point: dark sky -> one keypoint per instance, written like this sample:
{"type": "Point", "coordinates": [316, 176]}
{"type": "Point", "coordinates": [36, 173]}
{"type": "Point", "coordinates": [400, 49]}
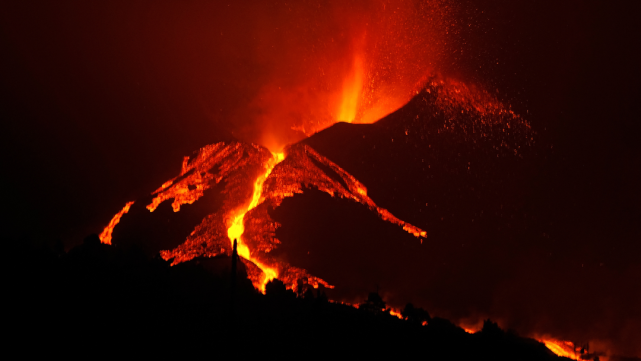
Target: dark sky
{"type": "Point", "coordinates": [100, 101]}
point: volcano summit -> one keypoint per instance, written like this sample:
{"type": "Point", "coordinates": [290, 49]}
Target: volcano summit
{"type": "Point", "coordinates": [236, 185]}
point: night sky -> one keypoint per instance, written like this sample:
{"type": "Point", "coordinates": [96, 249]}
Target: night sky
{"type": "Point", "coordinates": [100, 101]}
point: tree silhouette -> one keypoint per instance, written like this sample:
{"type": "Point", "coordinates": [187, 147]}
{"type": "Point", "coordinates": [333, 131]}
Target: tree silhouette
{"type": "Point", "coordinates": [374, 303]}
{"type": "Point", "coordinates": [276, 289]}
{"type": "Point", "coordinates": [415, 315]}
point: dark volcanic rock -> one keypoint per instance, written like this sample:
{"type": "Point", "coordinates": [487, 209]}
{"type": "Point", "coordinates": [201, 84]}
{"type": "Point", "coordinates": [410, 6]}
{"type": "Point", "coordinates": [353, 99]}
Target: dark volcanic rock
{"type": "Point", "coordinates": [164, 229]}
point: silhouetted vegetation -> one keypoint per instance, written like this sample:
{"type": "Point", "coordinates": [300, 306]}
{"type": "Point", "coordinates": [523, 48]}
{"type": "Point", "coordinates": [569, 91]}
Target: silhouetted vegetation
{"type": "Point", "coordinates": [121, 296]}
{"type": "Point", "coordinates": [415, 315]}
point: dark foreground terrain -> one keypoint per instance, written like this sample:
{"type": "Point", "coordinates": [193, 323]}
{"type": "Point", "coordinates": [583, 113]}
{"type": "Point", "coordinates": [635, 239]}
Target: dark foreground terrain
{"type": "Point", "coordinates": [114, 298]}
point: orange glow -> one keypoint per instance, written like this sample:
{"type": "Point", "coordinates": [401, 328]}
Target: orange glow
{"type": "Point", "coordinates": [179, 190]}
{"type": "Point", "coordinates": [342, 62]}
{"type": "Point", "coordinates": [396, 313]}
{"type": "Point", "coordinates": [470, 326]}
{"type": "Point", "coordinates": [105, 236]}
{"type": "Point", "coordinates": [561, 348]}
{"type": "Point", "coordinates": [299, 172]}
{"type": "Point", "coordinates": [558, 347]}
{"type": "Point", "coordinates": [256, 180]}
{"type": "Point", "coordinates": [352, 86]}
{"type": "Point", "coordinates": [243, 167]}
{"type": "Point", "coordinates": [571, 350]}
{"type": "Point", "coordinates": [237, 228]}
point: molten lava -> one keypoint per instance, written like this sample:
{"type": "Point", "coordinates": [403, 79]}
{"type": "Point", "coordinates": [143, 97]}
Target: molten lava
{"type": "Point", "coordinates": [255, 180]}
{"type": "Point", "coordinates": [105, 236]}
{"type": "Point", "coordinates": [561, 348]}
{"type": "Point", "coordinates": [237, 228]}
{"type": "Point", "coordinates": [572, 350]}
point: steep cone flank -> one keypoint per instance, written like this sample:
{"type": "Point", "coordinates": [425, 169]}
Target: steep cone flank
{"type": "Point", "coordinates": [504, 241]}
{"type": "Point", "coordinates": [255, 181]}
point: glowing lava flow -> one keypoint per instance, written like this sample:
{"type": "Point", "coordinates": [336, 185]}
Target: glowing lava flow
{"type": "Point", "coordinates": [241, 167]}
{"type": "Point", "coordinates": [560, 348]}
{"type": "Point", "coordinates": [237, 228]}
{"type": "Point", "coordinates": [571, 350]}
{"type": "Point", "coordinates": [238, 168]}
{"type": "Point", "coordinates": [105, 236]}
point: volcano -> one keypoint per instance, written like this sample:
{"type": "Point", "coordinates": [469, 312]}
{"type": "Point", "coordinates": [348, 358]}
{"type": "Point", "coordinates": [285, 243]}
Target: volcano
{"type": "Point", "coordinates": [231, 190]}
{"type": "Point", "coordinates": [408, 205]}
{"type": "Point", "coordinates": [239, 166]}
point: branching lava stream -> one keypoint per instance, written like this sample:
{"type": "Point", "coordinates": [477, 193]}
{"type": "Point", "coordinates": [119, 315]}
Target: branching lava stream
{"type": "Point", "coordinates": [237, 228]}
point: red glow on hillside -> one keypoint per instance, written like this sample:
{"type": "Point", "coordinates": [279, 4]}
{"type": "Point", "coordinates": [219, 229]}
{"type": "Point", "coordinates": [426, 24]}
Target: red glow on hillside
{"type": "Point", "coordinates": [561, 348]}
{"type": "Point", "coordinates": [105, 236]}
{"type": "Point", "coordinates": [255, 181]}
{"type": "Point", "coordinates": [237, 228]}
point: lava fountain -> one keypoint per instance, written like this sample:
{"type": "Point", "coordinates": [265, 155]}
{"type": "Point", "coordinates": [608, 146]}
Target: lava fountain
{"type": "Point", "coordinates": [352, 86]}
